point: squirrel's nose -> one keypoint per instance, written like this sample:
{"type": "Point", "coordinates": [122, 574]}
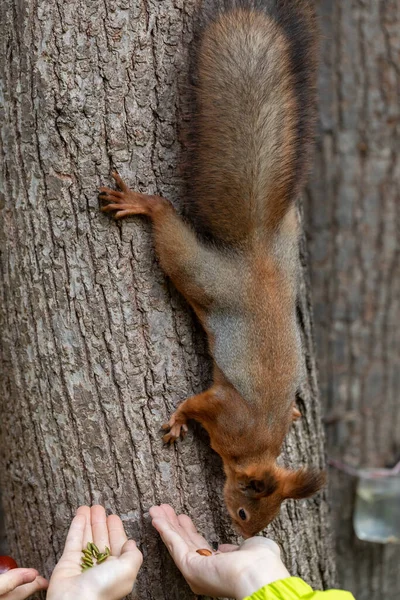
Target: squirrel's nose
{"type": "Point", "coordinates": [242, 532]}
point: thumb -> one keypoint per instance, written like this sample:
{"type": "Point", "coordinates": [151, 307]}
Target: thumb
{"type": "Point", "coordinates": [16, 577]}
{"type": "Point", "coordinates": [261, 542]}
{"type": "Point", "coordinates": [131, 556]}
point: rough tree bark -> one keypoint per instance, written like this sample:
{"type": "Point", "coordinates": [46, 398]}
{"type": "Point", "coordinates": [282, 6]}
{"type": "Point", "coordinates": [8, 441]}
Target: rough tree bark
{"type": "Point", "coordinates": [96, 347]}
{"type": "Point", "coordinates": [353, 217]}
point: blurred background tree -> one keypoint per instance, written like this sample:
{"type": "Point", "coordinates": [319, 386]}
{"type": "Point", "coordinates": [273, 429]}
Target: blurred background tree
{"type": "Point", "coordinates": [353, 227]}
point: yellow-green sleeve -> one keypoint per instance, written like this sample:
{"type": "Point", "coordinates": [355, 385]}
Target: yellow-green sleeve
{"type": "Point", "coordinates": [294, 588]}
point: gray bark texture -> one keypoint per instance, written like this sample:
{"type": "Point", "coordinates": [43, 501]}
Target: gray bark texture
{"type": "Point", "coordinates": [353, 225]}
{"type": "Point", "coordinates": [97, 348]}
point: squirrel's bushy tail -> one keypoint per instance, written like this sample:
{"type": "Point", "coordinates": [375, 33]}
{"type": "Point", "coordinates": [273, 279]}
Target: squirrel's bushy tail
{"type": "Point", "coordinates": [255, 71]}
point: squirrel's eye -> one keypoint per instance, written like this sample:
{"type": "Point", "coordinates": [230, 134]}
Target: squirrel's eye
{"type": "Point", "coordinates": [242, 514]}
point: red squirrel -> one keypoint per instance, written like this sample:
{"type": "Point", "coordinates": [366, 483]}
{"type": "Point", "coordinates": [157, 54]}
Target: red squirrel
{"type": "Point", "coordinates": [235, 256]}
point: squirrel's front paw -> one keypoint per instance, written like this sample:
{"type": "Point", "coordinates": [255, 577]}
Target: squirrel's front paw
{"type": "Point", "coordinates": [176, 428]}
{"type": "Point", "coordinates": [126, 202]}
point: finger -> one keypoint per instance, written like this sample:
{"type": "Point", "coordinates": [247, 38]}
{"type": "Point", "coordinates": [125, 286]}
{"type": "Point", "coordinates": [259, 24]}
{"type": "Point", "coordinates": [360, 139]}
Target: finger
{"type": "Point", "coordinates": [120, 182]}
{"type": "Point", "coordinates": [87, 534]}
{"type": "Point", "coordinates": [98, 520]}
{"type": "Point", "coordinates": [166, 512]}
{"type": "Point", "coordinates": [25, 591]}
{"type": "Point", "coordinates": [187, 523]}
{"type": "Point", "coordinates": [170, 514]}
{"type": "Point", "coordinates": [12, 579]}
{"type": "Point", "coordinates": [193, 537]}
{"type": "Point", "coordinates": [159, 511]}
{"type": "Point", "coordinates": [116, 534]}
{"type": "Point", "coordinates": [228, 548]}
{"type": "Point", "coordinates": [74, 541]}
{"type": "Point", "coordinates": [177, 546]}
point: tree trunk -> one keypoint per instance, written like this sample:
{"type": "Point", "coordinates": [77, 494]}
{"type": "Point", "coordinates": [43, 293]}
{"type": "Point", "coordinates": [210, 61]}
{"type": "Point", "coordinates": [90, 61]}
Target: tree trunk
{"type": "Point", "coordinates": [97, 349]}
{"type": "Point", "coordinates": [354, 227]}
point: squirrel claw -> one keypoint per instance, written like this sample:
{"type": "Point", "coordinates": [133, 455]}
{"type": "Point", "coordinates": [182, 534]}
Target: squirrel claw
{"type": "Point", "coordinates": [296, 414]}
{"type": "Point", "coordinates": [119, 181]}
{"type": "Point", "coordinates": [176, 430]}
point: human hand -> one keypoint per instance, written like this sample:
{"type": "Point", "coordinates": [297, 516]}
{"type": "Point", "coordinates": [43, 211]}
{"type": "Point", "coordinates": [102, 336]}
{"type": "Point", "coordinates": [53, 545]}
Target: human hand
{"type": "Point", "coordinates": [112, 579]}
{"type": "Point", "coordinates": [19, 584]}
{"type": "Point", "coordinates": [233, 571]}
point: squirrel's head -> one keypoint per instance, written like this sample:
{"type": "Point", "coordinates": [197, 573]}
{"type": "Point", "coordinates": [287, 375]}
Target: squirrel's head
{"type": "Point", "coordinates": [254, 495]}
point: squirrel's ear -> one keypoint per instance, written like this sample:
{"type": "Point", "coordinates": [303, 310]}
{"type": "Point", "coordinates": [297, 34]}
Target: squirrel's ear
{"type": "Point", "coordinates": [300, 484]}
{"type": "Point", "coordinates": [256, 488]}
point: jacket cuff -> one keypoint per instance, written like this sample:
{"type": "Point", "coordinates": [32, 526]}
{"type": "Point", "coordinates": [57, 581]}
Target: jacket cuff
{"type": "Point", "coordinates": [291, 588]}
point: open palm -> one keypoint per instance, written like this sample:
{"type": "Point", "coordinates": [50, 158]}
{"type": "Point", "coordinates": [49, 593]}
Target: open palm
{"type": "Point", "coordinates": [112, 579]}
{"type": "Point", "coordinates": [233, 571]}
